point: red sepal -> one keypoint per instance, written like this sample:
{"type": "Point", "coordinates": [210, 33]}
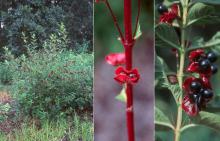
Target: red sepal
{"type": "Point", "coordinates": [194, 55]}
{"type": "Point", "coordinates": [193, 67]}
{"type": "Point", "coordinates": [115, 59]}
{"type": "Point", "coordinates": [126, 76]}
{"type": "Point", "coordinates": [189, 107]}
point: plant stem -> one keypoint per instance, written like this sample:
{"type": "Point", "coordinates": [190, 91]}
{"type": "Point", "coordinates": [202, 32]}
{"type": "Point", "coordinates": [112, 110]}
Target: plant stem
{"type": "Point", "coordinates": [114, 19]}
{"type": "Point", "coordinates": [181, 71]}
{"type": "Point", "coordinates": [128, 45]}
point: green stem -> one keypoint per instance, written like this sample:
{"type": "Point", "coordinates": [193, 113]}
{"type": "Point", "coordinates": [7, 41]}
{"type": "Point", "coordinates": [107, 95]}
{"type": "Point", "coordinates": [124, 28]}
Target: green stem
{"type": "Point", "coordinates": [180, 73]}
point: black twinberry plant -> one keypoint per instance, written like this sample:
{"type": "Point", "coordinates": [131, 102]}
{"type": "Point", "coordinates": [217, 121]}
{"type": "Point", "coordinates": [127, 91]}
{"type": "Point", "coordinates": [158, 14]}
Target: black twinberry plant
{"type": "Point", "coordinates": [195, 64]}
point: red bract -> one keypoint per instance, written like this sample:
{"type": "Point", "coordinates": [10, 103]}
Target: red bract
{"type": "Point", "coordinates": [194, 55]}
{"type": "Point", "coordinates": [205, 81]}
{"type": "Point", "coordinates": [189, 107]}
{"type": "Point", "coordinates": [126, 76]}
{"type": "Point", "coordinates": [115, 59]}
{"type": "Point", "coordinates": [169, 16]}
{"type": "Point", "coordinates": [194, 68]}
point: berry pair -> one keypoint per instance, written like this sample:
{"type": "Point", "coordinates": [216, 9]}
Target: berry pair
{"type": "Point", "coordinates": [202, 63]}
{"type": "Point", "coordinates": [200, 95]}
{"type": "Point", "coordinates": [168, 15]}
{"type": "Point", "coordinates": [207, 62]}
{"type": "Point", "coordinates": [198, 91]}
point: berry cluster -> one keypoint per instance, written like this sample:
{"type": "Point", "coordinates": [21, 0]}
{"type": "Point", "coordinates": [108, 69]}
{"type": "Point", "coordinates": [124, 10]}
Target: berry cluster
{"type": "Point", "coordinates": [167, 15]}
{"type": "Point", "coordinates": [198, 90]}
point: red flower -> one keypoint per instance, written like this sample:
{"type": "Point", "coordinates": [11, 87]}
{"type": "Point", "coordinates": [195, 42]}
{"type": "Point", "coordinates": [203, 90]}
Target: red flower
{"type": "Point", "coordinates": [189, 107]}
{"type": "Point", "coordinates": [196, 54]}
{"type": "Point", "coordinates": [126, 76]}
{"type": "Point", "coordinates": [115, 59]}
{"type": "Point", "coordinates": [169, 16]}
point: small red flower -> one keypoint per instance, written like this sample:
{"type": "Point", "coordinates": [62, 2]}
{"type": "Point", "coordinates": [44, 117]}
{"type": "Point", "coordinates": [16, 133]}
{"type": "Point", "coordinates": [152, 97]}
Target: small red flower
{"type": "Point", "coordinates": [115, 59]}
{"type": "Point", "coordinates": [196, 54]}
{"type": "Point", "coordinates": [169, 16]}
{"type": "Point", "coordinates": [126, 76]}
{"type": "Point", "coordinates": [189, 107]}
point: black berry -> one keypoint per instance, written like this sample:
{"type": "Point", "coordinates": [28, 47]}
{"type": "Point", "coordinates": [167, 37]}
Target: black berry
{"type": "Point", "coordinates": [214, 68]}
{"type": "Point", "coordinates": [204, 64]}
{"type": "Point", "coordinates": [211, 56]}
{"type": "Point", "coordinates": [195, 86]}
{"type": "Point", "coordinates": [193, 97]}
{"type": "Point", "coordinates": [162, 9]}
{"type": "Point", "coordinates": [207, 94]}
{"type": "Point", "coordinates": [198, 101]}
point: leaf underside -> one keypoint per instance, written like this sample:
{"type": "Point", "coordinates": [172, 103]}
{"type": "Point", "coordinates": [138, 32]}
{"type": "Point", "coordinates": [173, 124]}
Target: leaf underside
{"type": "Point", "coordinates": [162, 122]}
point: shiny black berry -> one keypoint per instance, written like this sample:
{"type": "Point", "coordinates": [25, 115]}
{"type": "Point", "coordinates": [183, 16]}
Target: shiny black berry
{"type": "Point", "coordinates": [162, 9]}
{"type": "Point", "coordinates": [211, 56]}
{"type": "Point", "coordinates": [207, 94]}
{"type": "Point", "coordinates": [193, 97]}
{"type": "Point", "coordinates": [198, 101]}
{"type": "Point", "coordinates": [214, 68]}
{"type": "Point", "coordinates": [204, 64]}
{"type": "Point", "coordinates": [195, 86]}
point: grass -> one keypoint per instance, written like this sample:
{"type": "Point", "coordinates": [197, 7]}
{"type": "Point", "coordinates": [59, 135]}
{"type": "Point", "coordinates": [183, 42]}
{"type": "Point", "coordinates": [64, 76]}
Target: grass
{"type": "Point", "coordinates": [76, 130]}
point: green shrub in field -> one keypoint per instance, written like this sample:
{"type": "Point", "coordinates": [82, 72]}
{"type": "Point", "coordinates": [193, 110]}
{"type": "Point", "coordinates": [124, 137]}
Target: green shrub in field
{"type": "Point", "coordinates": [51, 82]}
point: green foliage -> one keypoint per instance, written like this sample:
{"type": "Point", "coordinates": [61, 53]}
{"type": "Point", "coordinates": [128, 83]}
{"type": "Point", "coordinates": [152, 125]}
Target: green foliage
{"type": "Point", "coordinates": [162, 122]}
{"type": "Point", "coordinates": [53, 131]}
{"type": "Point", "coordinates": [201, 14]}
{"type": "Point", "coordinates": [42, 18]}
{"type": "Point", "coordinates": [166, 36]}
{"type": "Point", "coordinates": [161, 72]}
{"type": "Point", "coordinates": [122, 95]}
{"type": "Point", "coordinates": [208, 1]}
{"type": "Point", "coordinates": [213, 43]}
{"type": "Point", "coordinates": [30, 18]}
{"type": "Point", "coordinates": [51, 82]}
{"type": "Point", "coordinates": [208, 119]}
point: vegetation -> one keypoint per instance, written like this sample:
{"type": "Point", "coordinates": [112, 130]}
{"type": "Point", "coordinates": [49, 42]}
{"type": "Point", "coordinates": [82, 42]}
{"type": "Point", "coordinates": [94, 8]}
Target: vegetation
{"type": "Point", "coordinates": [46, 70]}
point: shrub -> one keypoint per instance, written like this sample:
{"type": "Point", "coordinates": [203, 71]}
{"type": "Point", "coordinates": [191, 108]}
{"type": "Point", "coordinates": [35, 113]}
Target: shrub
{"type": "Point", "coordinates": [51, 82]}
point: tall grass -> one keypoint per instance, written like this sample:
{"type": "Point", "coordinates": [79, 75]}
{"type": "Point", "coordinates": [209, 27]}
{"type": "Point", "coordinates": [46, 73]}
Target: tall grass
{"type": "Point", "coordinates": [76, 130]}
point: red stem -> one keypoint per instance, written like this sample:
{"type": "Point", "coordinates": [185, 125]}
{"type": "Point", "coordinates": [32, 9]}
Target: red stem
{"type": "Point", "coordinates": [128, 44]}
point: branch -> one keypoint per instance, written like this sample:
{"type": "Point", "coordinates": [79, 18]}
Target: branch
{"type": "Point", "coordinates": [137, 18]}
{"type": "Point", "coordinates": [114, 19]}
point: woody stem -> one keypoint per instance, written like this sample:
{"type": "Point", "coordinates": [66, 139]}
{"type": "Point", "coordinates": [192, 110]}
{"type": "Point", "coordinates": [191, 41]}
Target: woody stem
{"type": "Point", "coordinates": [181, 70]}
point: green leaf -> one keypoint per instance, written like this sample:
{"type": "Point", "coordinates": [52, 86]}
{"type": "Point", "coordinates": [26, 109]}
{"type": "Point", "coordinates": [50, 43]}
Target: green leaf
{"type": "Point", "coordinates": [208, 1]}
{"type": "Point", "coordinates": [162, 122]}
{"type": "Point", "coordinates": [139, 32]}
{"type": "Point", "coordinates": [209, 120]}
{"type": "Point", "coordinates": [161, 70]}
{"type": "Point", "coordinates": [122, 96]}
{"type": "Point", "coordinates": [213, 43]}
{"type": "Point", "coordinates": [166, 36]}
{"type": "Point", "coordinates": [201, 14]}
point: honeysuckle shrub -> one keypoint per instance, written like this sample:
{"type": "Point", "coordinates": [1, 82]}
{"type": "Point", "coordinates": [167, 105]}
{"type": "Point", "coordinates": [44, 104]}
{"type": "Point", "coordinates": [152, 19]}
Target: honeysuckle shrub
{"type": "Point", "coordinates": [50, 83]}
{"type": "Point", "coordinates": [187, 95]}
